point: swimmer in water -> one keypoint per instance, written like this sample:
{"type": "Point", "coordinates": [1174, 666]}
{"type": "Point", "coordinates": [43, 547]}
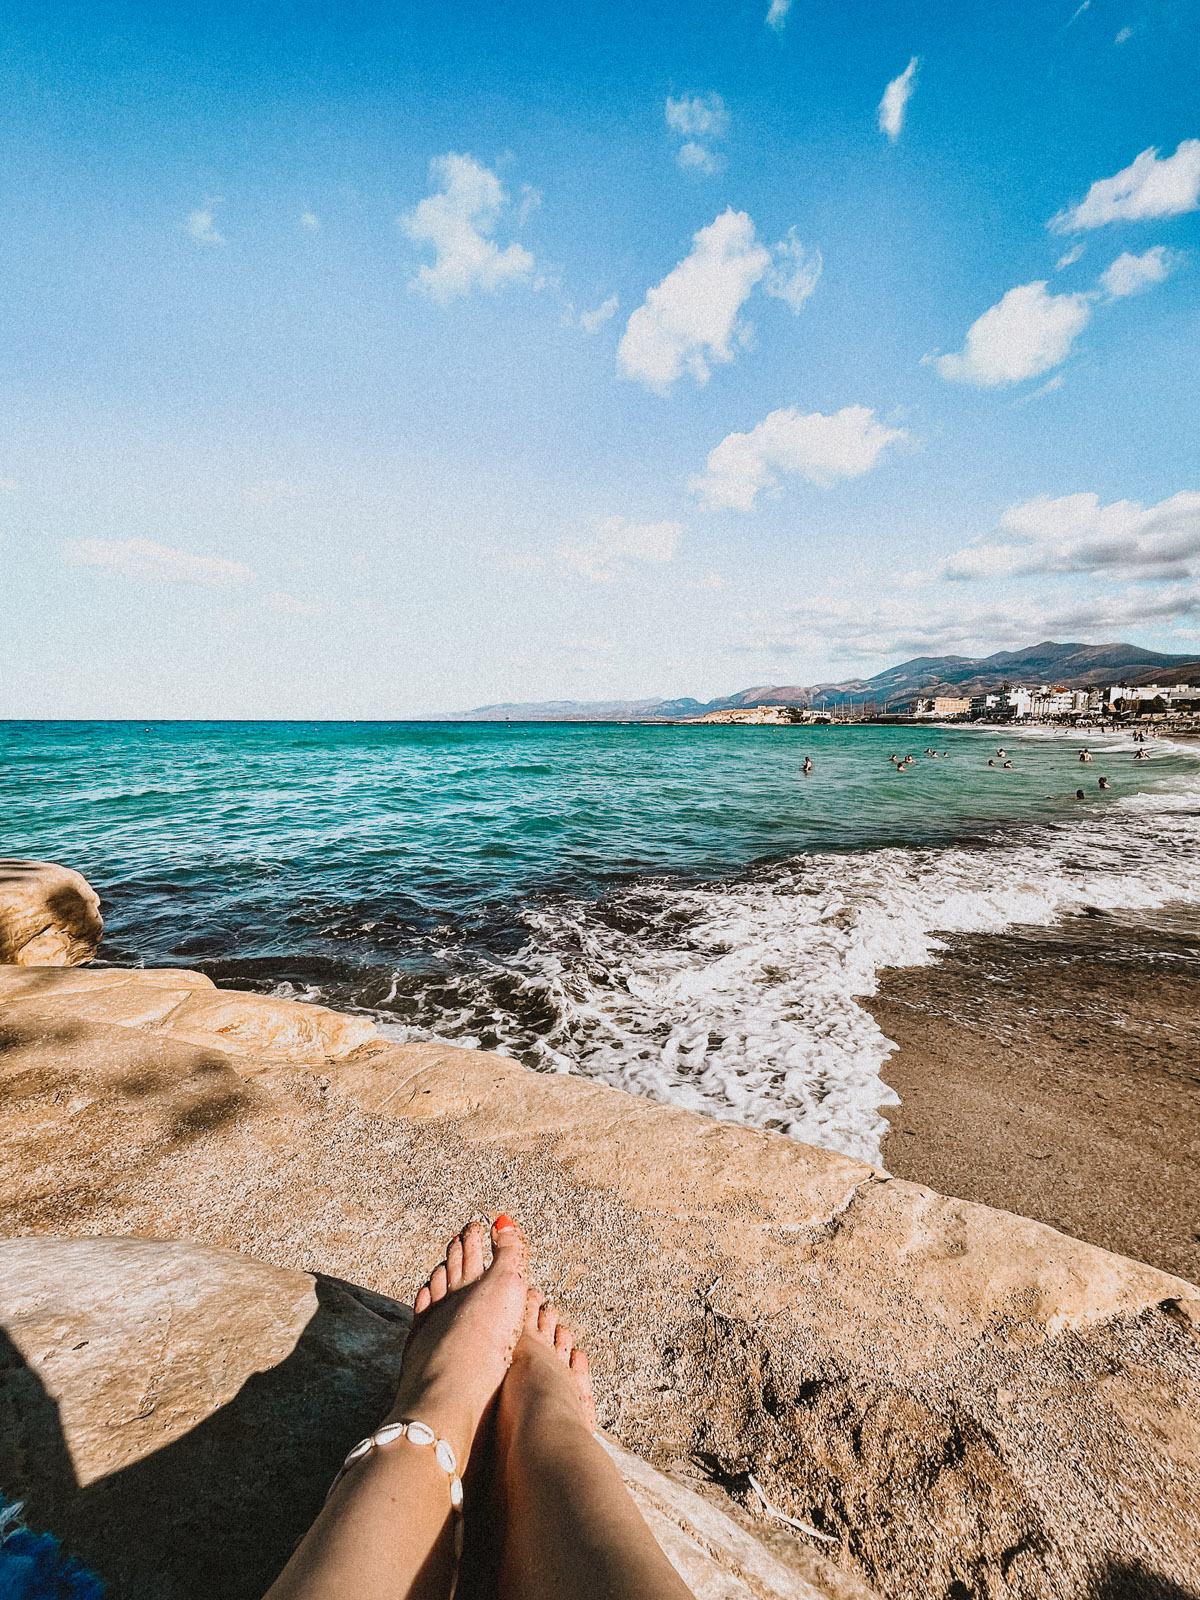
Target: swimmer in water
{"type": "Point", "coordinates": [1141, 755]}
{"type": "Point", "coordinates": [1104, 783]}
{"type": "Point", "coordinates": [991, 761]}
{"type": "Point", "coordinates": [1002, 754]}
{"type": "Point", "coordinates": [1008, 766]}
{"type": "Point", "coordinates": [1085, 755]}
{"type": "Point", "coordinates": [807, 767]}
{"type": "Point", "coordinates": [1079, 794]}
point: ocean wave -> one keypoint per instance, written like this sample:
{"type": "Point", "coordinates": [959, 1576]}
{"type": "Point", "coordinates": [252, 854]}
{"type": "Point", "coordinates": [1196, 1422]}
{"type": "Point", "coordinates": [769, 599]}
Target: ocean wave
{"type": "Point", "coordinates": [740, 998]}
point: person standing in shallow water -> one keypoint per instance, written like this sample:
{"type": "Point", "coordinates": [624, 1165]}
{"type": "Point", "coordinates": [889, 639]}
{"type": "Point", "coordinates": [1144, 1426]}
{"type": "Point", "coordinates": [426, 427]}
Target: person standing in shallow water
{"type": "Point", "coordinates": [506, 1399]}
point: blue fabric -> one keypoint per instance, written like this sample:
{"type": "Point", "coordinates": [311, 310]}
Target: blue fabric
{"type": "Point", "coordinates": [33, 1566]}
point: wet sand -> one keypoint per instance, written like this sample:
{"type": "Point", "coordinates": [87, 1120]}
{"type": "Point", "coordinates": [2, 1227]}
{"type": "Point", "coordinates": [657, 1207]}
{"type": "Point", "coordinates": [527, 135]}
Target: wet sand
{"type": "Point", "coordinates": [1056, 1073]}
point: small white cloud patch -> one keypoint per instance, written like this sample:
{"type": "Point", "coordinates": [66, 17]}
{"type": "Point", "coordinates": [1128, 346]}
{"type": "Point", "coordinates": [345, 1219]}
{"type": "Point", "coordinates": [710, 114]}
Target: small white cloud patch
{"type": "Point", "coordinates": [1071, 257]}
{"type": "Point", "coordinates": [617, 544]}
{"type": "Point", "coordinates": [143, 558]}
{"type": "Point", "coordinates": [702, 121]}
{"type": "Point", "coordinates": [1026, 333]}
{"type": "Point", "coordinates": [458, 220]}
{"type": "Point", "coordinates": [1149, 187]}
{"type": "Point", "coordinates": [201, 224]}
{"type": "Point", "coordinates": [1075, 533]}
{"type": "Point", "coordinates": [895, 101]}
{"type": "Point", "coordinates": [777, 14]}
{"type": "Point", "coordinates": [311, 221]}
{"type": "Point", "coordinates": [690, 319]}
{"type": "Point", "coordinates": [818, 448]}
{"type": "Point", "coordinates": [1130, 274]}
{"type": "Point", "coordinates": [796, 272]}
{"type": "Point", "coordinates": [590, 321]}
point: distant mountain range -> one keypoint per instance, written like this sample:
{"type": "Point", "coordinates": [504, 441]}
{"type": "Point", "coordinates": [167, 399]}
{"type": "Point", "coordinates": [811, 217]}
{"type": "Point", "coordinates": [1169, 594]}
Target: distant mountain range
{"type": "Point", "coordinates": [1076, 666]}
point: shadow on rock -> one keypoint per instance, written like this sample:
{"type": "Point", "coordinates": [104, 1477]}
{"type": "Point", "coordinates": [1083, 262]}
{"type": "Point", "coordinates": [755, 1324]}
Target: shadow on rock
{"type": "Point", "coordinates": [219, 1509]}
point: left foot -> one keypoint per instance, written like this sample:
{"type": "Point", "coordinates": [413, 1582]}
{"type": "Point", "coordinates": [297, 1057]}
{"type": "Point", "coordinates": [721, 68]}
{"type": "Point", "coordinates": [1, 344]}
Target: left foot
{"type": "Point", "coordinates": [467, 1321]}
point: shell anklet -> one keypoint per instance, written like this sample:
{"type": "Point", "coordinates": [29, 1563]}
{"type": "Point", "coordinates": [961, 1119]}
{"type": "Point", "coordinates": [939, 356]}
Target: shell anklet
{"type": "Point", "coordinates": [418, 1433]}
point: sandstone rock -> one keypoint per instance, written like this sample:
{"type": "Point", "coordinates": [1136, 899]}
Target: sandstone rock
{"type": "Point", "coordinates": [49, 915]}
{"type": "Point", "coordinates": [175, 1414]}
{"type": "Point", "coordinates": [188, 1006]}
{"type": "Point", "coordinates": [966, 1402]}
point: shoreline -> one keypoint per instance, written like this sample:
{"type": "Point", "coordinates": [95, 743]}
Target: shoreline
{"type": "Point", "coordinates": [1055, 1072]}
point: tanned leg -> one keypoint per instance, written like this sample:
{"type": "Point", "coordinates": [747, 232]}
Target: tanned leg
{"type": "Point", "coordinates": [386, 1532]}
{"type": "Point", "coordinates": [571, 1529]}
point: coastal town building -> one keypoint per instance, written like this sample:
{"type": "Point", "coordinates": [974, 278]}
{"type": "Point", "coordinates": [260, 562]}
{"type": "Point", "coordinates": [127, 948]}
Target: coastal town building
{"type": "Point", "coordinates": [942, 706]}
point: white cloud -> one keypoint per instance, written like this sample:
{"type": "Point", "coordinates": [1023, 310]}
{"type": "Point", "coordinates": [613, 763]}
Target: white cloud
{"type": "Point", "coordinates": [796, 272]}
{"type": "Point", "coordinates": [777, 14]}
{"type": "Point", "coordinates": [142, 558]}
{"type": "Point", "coordinates": [1075, 533]}
{"type": "Point", "coordinates": [1027, 332]}
{"type": "Point", "coordinates": [590, 321]}
{"type": "Point", "coordinates": [1149, 187]}
{"type": "Point", "coordinates": [1131, 274]}
{"type": "Point", "coordinates": [287, 605]}
{"type": "Point", "coordinates": [846, 626]}
{"type": "Point", "coordinates": [617, 544]}
{"type": "Point", "coordinates": [895, 101]}
{"type": "Point", "coordinates": [693, 157]}
{"type": "Point", "coordinates": [702, 120]}
{"type": "Point", "coordinates": [1071, 257]}
{"type": "Point", "coordinates": [459, 221]}
{"type": "Point", "coordinates": [818, 448]}
{"type": "Point", "coordinates": [201, 224]}
{"type": "Point", "coordinates": [697, 116]}
{"type": "Point", "coordinates": [691, 317]}
{"type": "Point", "coordinates": [1125, 33]}
{"type": "Point", "coordinates": [309, 220]}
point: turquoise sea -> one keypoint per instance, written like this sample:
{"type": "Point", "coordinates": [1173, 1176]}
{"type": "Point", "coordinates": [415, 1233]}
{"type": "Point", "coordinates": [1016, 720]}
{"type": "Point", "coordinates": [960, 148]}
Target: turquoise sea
{"type": "Point", "coordinates": [676, 910]}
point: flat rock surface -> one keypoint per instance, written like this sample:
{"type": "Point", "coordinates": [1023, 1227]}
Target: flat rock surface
{"type": "Point", "coordinates": [153, 1392]}
{"type": "Point", "coordinates": [49, 915]}
{"type": "Point", "coordinates": [965, 1402]}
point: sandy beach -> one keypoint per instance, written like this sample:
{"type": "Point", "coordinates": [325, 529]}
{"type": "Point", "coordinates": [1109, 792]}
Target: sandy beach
{"type": "Point", "coordinates": [1055, 1072]}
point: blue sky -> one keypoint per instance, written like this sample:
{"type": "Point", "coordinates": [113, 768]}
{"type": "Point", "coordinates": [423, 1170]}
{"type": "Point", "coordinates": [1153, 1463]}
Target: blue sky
{"type": "Point", "coordinates": [381, 360]}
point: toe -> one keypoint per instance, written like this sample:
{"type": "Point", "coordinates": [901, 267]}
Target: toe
{"type": "Point", "coordinates": [547, 1322]}
{"type": "Point", "coordinates": [454, 1263]}
{"type": "Point", "coordinates": [562, 1344]}
{"type": "Point", "coordinates": [582, 1374]}
{"type": "Point", "coordinates": [472, 1245]}
{"type": "Point", "coordinates": [438, 1284]}
{"type": "Point", "coordinates": [423, 1301]}
{"type": "Point", "coordinates": [533, 1306]}
{"type": "Point", "coordinates": [508, 1245]}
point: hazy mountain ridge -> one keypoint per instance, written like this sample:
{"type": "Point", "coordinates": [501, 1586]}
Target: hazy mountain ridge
{"type": "Point", "coordinates": [1076, 666]}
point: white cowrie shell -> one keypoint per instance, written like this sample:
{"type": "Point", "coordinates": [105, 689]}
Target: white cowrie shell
{"type": "Point", "coordinates": [359, 1451]}
{"type": "Point", "coordinates": [390, 1431]}
{"type": "Point", "coordinates": [456, 1494]}
{"type": "Point", "coordinates": [446, 1458]}
{"type": "Point", "coordinates": [421, 1433]}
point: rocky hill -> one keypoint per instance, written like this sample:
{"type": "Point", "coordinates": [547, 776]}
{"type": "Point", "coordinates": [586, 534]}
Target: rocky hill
{"type": "Point", "coordinates": [1076, 666]}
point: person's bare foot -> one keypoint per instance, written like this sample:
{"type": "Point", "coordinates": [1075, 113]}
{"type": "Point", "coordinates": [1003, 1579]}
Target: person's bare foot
{"type": "Point", "coordinates": [467, 1324]}
{"type": "Point", "coordinates": [549, 1383]}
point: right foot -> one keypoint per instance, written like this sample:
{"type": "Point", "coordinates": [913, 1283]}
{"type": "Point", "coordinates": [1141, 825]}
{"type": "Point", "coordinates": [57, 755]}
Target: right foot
{"type": "Point", "coordinates": [468, 1319]}
{"type": "Point", "coordinates": [549, 1377]}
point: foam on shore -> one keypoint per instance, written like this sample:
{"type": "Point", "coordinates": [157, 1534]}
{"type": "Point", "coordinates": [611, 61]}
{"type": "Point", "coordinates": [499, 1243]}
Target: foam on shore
{"type": "Point", "coordinates": [739, 998]}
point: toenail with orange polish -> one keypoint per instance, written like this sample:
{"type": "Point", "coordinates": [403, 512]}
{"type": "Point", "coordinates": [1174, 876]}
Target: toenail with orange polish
{"type": "Point", "coordinates": [502, 1223]}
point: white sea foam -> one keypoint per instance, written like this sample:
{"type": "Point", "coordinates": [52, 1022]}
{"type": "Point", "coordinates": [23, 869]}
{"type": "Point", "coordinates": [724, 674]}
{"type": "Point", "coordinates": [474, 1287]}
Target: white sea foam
{"type": "Point", "coordinates": [739, 999]}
